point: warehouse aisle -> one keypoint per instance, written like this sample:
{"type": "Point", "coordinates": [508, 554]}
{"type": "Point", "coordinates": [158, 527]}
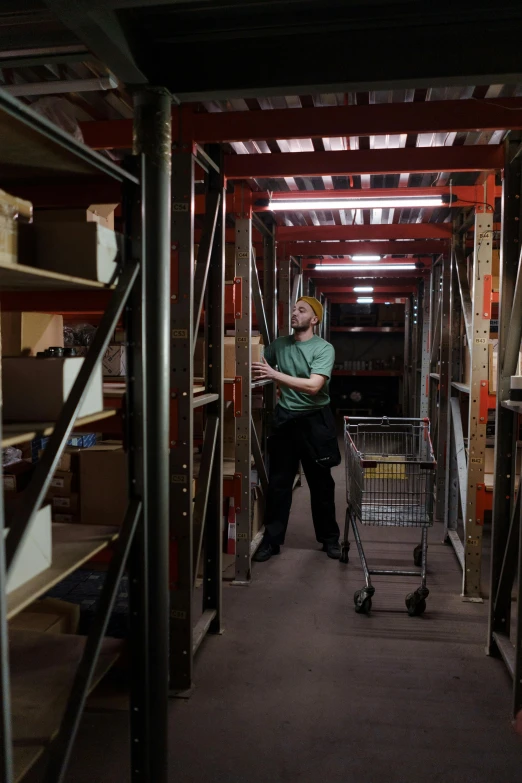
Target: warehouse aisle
{"type": "Point", "coordinates": [300, 688]}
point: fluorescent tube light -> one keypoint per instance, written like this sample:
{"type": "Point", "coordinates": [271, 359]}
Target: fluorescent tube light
{"type": "Point", "coordinates": [365, 300]}
{"type": "Point", "coordinates": [365, 258]}
{"type": "Point", "coordinates": [363, 267]}
{"type": "Point", "coordinates": [298, 205]}
{"type": "Point", "coordinates": [363, 289]}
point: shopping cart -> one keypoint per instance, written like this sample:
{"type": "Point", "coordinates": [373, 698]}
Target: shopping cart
{"type": "Point", "coordinates": [390, 472]}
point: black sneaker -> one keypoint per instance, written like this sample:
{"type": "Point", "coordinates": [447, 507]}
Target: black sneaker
{"type": "Point", "coordinates": [265, 551]}
{"type": "Point", "coordinates": [332, 549]}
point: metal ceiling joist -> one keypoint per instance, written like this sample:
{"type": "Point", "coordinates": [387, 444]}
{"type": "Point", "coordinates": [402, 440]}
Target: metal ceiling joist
{"type": "Point", "coordinates": [314, 249]}
{"type": "Point", "coordinates": [98, 27]}
{"type": "Point", "coordinates": [330, 121]}
{"type": "Point", "coordinates": [419, 160]}
{"type": "Point", "coordinates": [368, 232]}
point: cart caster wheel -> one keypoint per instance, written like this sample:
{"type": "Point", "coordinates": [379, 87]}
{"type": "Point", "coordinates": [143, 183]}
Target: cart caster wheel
{"type": "Point", "coordinates": [416, 602]}
{"type": "Point", "coordinates": [345, 548]}
{"type": "Point", "coordinates": [363, 601]}
{"type": "Point", "coordinates": [417, 556]}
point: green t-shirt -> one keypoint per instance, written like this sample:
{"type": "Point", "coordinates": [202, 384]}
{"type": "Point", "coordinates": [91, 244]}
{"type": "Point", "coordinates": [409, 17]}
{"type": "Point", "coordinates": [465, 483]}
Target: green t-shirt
{"type": "Point", "coordinates": [301, 360]}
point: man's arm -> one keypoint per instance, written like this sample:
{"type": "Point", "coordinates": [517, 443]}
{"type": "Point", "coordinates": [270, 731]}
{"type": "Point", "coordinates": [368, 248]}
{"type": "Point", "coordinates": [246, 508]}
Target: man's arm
{"type": "Point", "coordinates": [312, 385]}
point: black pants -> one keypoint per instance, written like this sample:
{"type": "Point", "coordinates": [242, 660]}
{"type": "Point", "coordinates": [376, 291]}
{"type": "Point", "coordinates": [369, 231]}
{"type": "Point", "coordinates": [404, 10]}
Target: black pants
{"type": "Point", "coordinates": [311, 440]}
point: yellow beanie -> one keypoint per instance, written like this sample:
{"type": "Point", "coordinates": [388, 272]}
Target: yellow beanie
{"type": "Point", "coordinates": [315, 304]}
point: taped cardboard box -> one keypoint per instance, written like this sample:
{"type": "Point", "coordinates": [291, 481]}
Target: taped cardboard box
{"type": "Point", "coordinates": [257, 347]}
{"type": "Point", "coordinates": [86, 250]}
{"type": "Point", "coordinates": [63, 483]}
{"type": "Point", "coordinates": [103, 481]}
{"type": "Point", "coordinates": [96, 213]}
{"type": "Point", "coordinates": [29, 333]}
{"type": "Point", "coordinates": [115, 361]}
{"type": "Point", "coordinates": [69, 461]}
{"type": "Point", "coordinates": [34, 390]}
{"type": "Point", "coordinates": [66, 504]}
{"type": "Point", "coordinates": [49, 615]}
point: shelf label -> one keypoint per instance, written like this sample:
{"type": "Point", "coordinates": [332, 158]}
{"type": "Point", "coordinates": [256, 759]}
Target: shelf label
{"type": "Point", "coordinates": [179, 333]}
{"type": "Point", "coordinates": [178, 478]}
{"type": "Point", "coordinates": [180, 206]}
{"type": "Point", "coordinates": [476, 461]}
{"type": "Point", "coordinates": [242, 255]}
{"type": "Point", "coordinates": [480, 340]}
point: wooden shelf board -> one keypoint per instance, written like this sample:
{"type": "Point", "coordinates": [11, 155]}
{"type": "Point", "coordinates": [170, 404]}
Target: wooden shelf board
{"type": "Point", "coordinates": [73, 545]}
{"type": "Point", "coordinates": [43, 666]}
{"type": "Point", "coordinates": [23, 433]}
{"type": "Point", "coordinates": [18, 277]}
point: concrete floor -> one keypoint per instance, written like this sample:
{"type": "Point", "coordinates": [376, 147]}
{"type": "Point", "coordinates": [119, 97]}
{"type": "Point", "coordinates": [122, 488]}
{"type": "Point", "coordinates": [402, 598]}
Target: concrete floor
{"type": "Point", "coordinates": [300, 689]}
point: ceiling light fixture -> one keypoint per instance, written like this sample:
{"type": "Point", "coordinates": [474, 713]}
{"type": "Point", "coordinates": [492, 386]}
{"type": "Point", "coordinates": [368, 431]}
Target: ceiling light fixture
{"type": "Point", "coordinates": [365, 257]}
{"type": "Point", "coordinates": [298, 205]}
{"type": "Point", "coordinates": [363, 267]}
{"type": "Point", "coordinates": [363, 289]}
{"type": "Point", "coordinates": [365, 300]}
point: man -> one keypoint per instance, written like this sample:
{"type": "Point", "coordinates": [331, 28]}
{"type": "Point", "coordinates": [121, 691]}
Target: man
{"type": "Point", "coordinates": [303, 430]}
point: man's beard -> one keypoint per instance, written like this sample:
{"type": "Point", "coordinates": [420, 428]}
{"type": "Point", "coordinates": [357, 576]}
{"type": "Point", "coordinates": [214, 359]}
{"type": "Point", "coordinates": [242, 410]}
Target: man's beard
{"type": "Point", "coordinates": [302, 327]}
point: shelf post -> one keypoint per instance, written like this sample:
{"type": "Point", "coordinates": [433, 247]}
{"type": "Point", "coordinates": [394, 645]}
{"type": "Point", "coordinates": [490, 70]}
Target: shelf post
{"type": "Point", "coordinates": [507, 423]}
{"type": "Point", "coordinates": [243, 446]}
{"type": "Point", "coordinates": [152, 125]}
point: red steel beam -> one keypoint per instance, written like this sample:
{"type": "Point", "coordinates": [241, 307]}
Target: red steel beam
{"type": "Point", "coordinates": [415, 160]}
{"type": "Point", "coordinates": [369, 232]}
{"type": "Point", "coordinates": [314, 249]}
{"type": "Point", "coordinates": [370, 120]}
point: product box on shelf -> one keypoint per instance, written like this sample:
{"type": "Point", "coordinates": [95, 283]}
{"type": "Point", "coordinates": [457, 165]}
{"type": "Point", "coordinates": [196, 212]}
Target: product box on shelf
{"type": "Point", "coordinates": [115, 361]}
{"type": "Point", "coordinates": [35, 389]}
{"type": "Point", "coordinates": [12, 209]}
{"type": "Point", "coordinates": [103, 482]}
{"type": "Point", "coordinates": [257, 347]}
{"type": "Point", "coordinates": [66, 504]}
{"type": "Point", "coordinates": [96, 213]}
{"type": "Point", "coordinates": [34, 555]}
{"type": "Point", "coordinates": [68, 460]}
{"type": "Point", "coordinates": [87, 250]}
{"type": "Point", "coordinates": [29, 333]}
{"type": "Point", "coordinates": [62, 483]}
{"type": "Point", "coordinates": [48, 615]}
{"type": "Point", "coordinates": [17, 476]}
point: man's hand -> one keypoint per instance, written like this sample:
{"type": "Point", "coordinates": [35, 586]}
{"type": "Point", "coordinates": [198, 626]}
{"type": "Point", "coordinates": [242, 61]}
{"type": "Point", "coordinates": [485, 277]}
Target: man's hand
{"type": "Point", "coordinates": [262, 371]}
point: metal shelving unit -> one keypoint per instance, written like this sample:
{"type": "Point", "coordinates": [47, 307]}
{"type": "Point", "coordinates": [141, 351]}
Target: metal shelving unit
{"type": "Point", "coordinates": [505, 616]}
{"type": "Point", "coordinates": [32, 149]}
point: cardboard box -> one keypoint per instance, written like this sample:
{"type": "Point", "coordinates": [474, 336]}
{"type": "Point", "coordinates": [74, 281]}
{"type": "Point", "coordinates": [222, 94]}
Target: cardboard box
{"type": "Point", "coordinates": [35, 554]}
{"type": "Point", "coordinates": [68, 462]}
{"type": "Point", "coordinates": [115, 360]}
{"type": "Point", "coordinates": [28, 333]}
{"type": "Point", "coordinates": [35, 390]}
{"type": "Point", "coordinates": [104, 482]}
{"type": "Point", "coordinates": [11, 209]}
{"type": "Point", "coordinates": [230, 353]}
{"type": "Point", "coordinates": [66, 504]}
{"type": "Point", "coordinates": [86, 250]}
{"type": "Point", "coordinates": [49, 615]}
{"type": "Point", "coordinates": [62, 483]}
{"type": "Point", "coordinates": [68, 519]}
{"type": "Point", "coordinates": [492, 365]}
{"type": "Point", "coordinates": [230, 260]}
{"type": "Point", "coordinates": [103, 214]}
{"type": "Point", "coordinates": [17, 476]}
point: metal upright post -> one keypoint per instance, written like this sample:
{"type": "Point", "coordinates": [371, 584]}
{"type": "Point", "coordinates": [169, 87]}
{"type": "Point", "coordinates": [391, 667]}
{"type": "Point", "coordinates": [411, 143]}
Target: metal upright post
{"type": "Point", "coordinates": [6, 739]}
{"type": "Point", "coordinates": [424, 310]}
{"type": "Point", "coordinates": [444, 320]}
{"type": "Point", "coordinates": [284, 270]}
{"type": "Point", "coordinates": [473, 514]}
{"type": "Point", "coordinates": [408, 323]}
{"type": "Point", "coordinates": [213, 544]}
{"type": "Point", "coordinates": [181, 419]}
{"type": "Point", "coordinates": [270, 298]}
{"type": "Point", "coordinates": [153, 139]}
{"type": "Point", "coordinates": [244, 371]}
{"type": "Point", "coordinates": [506, 523]}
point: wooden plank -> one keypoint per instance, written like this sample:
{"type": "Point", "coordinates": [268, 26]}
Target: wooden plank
{"type": "Point", "coordinates": [18, 277]}
{"type": "Point", "coordinates": [73, 545]}
{"type": "Point", "coordinates": [43, 667]}
{"type": "Point", "coordinates": [23, 433]}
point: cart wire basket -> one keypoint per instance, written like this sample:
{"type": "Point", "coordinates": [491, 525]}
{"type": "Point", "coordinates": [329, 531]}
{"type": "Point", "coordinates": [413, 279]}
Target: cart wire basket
{"type": "Point", "coordinates": [390, 474]}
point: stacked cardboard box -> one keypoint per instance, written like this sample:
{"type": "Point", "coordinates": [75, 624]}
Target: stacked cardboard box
{"type": "Point", "coordinates": [103, 483]}
{"type": "Point", "coordinates": [29, 333]}
{"type": "Point", "coordinates": [12, 210]}
{"type": "Point", "coordinates": [63, 494]}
